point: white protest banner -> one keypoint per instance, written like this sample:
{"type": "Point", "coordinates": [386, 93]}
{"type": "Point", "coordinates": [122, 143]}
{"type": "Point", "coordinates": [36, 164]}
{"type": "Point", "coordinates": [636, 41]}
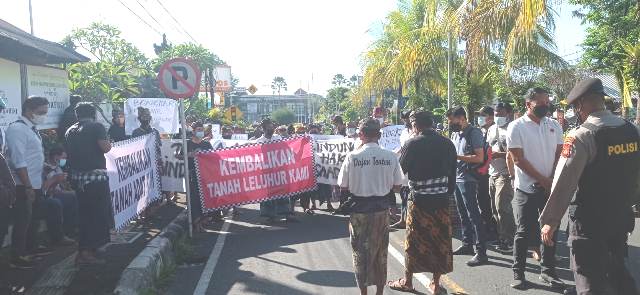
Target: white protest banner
{"type": "Point", "coordinates": [172, 174]}
{"type": "Point", "coordinates": [329, 156]}
{"type": "Point", "coordinates": [134, 180]}
{"type": "Point", "coordinates": [216, 131]}
{"type": "Point", "coordinates": [164, 113]}
{"type": "Point", "coordinates": [240, 136]}
{"type": "Point", "coordinates": [10, 92]}
{"type": "Point", "coordinates": [53, 84]}
{"type": "Point", "coordinates": [325, 137]}
{"type": "Point", "coordinates": [225, 143]}
{"type": "Point", "coordinates": [390, 139]}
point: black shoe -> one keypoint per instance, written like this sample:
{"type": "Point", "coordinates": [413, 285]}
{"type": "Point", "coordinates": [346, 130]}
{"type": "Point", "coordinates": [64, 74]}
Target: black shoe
{"type": "Point", "coordinates": [570, 291]}
{"type": "Point", "coordinates": [22, 262]}
{"type": "Point", "coordinates": [41, 251]}
{"type": "Point", "coordinates": [552, 280]}
{"type": "Point", "coordinates": [478, 259]}
{"type": "Point", "coordinates": [519, 282]}
{"type": "Point", "coordinates": [464, 250]}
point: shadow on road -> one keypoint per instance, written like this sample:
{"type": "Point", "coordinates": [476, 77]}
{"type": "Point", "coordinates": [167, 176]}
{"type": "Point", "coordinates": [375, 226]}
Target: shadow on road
{"type": "Point", "coordinates": [251, 240]}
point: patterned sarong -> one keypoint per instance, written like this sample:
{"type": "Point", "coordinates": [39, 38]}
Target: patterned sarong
{"type": "Point", "coordinates": [369, 241]}
{"type": "Point", "coordinates": [428, 242]}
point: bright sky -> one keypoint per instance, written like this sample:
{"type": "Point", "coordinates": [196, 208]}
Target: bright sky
{"type": "Point", "coordinates": [305, 41]}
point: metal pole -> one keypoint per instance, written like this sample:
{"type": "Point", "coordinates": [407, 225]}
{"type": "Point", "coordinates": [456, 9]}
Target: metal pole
{"type": "Point", "coordinates": [31, 17]}
{"type": "Point", "coordinates": [185, 158]}
{"type": "Point", "coordinates": [449, 72]}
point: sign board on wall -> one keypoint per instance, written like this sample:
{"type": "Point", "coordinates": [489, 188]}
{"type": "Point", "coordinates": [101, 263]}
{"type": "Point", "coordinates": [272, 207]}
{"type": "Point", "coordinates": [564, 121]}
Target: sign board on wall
{"type": "Point", "coordinates": [53, 84]}
{"type": "Point", "coordinates": [10, 92]}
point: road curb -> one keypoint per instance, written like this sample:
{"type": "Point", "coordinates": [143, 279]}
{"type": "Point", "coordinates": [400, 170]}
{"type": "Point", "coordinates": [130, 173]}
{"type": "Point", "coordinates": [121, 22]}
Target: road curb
{"type": "Point", "coordinates": [145, 268]}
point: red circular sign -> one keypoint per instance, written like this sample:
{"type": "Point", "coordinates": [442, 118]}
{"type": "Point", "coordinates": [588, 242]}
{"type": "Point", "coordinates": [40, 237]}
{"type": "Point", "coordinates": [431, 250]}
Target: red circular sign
{"type": "Point", "coordinates": [179, 78]}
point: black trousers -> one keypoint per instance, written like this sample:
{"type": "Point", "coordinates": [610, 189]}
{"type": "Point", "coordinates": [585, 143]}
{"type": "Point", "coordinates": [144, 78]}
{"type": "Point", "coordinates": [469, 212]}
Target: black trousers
{"type": "Point", "coordinates": [598, 262]}
{"type": "Point", "coordinates": [94, 215]}
{"type": "Point", "coordinates": [526, 210]}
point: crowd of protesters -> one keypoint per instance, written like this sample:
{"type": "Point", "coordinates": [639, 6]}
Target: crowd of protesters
{"type": "Point", "coordinates": [492, 176]}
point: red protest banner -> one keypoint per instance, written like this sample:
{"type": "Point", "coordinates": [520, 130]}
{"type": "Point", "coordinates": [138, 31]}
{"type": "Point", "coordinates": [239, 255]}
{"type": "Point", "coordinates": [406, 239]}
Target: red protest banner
{"type": "Point", "coordinates": [255, 173]}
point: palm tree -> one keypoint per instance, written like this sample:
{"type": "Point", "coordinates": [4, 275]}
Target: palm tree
{"type": "Point", "coordinates": [338, 80]}
{"type": "Point", "coordinates": [278, 84]}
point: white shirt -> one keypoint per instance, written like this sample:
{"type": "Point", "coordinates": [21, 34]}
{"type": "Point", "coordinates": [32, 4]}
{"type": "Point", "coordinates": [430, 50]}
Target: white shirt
{"type": "Point", "coordinates": [539, 143]}
{"type": "Point", "coordinates": [370, 171]}
{"type": "Point", "coordinates": [264, 139]}
{"type": "Point", "coordinates": [24, 150]}
{"type": "Point", "coordinates": [497, 139]}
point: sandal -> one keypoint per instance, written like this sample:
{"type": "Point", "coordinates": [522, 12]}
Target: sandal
{"type": "Point", "coordinates": [309, 211]}
{"type": "Point", "coordinates": [437, 291]}
{"type": "Point", "coordinates": [400, 285]}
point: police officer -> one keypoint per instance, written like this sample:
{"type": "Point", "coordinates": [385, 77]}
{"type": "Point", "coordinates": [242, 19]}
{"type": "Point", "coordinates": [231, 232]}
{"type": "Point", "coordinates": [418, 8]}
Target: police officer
{"type": "Point", "coordinates": [601, 161]}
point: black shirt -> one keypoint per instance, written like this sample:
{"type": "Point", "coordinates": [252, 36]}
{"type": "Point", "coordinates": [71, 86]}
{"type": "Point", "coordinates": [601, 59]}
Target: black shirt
{"type": "Point", "coordinates": [83, 152]}
{"type": "Point", "coordinates": [428, 156]}
{"type": "Point", "coordinates": [196, 147]}
{"type": "Point", "coordinates": [117, 133]}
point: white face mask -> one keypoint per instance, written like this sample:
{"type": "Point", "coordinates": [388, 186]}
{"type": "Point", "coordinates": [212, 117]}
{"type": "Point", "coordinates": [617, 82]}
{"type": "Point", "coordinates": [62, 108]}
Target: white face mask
{"type": "Point", "coordinates": [351, 131]}
{"type": "Point", "coordinates": [381, 120]}
{"type": "Point", "coordinates": [482, 121]}
{"type": "Point", "coordinates": [501, 121]}
{"type": "Point", "coordinates": [38, 119]}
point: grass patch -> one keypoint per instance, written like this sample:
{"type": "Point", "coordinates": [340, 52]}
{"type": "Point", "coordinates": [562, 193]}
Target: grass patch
{"type": "Point", "coordinates": [184, 250]}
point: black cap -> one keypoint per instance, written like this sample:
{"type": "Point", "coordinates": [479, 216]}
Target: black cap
{"type": "Point", "coordinates": [588, 86]}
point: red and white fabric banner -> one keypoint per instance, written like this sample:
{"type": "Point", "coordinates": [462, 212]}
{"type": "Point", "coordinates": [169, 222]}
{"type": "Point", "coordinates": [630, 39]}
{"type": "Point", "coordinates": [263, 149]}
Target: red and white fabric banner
{"type": "Point", "coordinates": [256, 172]}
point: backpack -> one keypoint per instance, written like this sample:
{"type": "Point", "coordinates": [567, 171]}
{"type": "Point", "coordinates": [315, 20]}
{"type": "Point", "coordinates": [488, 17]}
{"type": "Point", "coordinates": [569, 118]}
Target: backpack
{"type": "Point", "coordinates": [482, 169]}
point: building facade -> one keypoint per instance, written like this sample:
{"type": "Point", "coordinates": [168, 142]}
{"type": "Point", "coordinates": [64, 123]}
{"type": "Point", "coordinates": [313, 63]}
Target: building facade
{"type": "Point", "coordinates": [256, 107]}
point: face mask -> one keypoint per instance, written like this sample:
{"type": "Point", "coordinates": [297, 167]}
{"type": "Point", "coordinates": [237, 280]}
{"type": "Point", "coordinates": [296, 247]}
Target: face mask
{"type": "Point", "coordinates": [200, 134]}
{"type": "Point", "coordinates": [501, 121]}
{"type": "Point", "coordinates": [482, 121]}
{"type": "Point", "coordinates": [38, 119]}
{"type": "Point", "coordinates": [381, 120]}
{"type": "Point", "coordinates": [541, 111]}
{"type": "Point", "coordinates": [62, 162]}
{"type": "Point", "coordinates": [455, 127]}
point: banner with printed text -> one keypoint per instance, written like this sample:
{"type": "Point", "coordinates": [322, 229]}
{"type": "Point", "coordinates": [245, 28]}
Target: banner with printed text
{"type": "Point", "coordinates": [255, 172]}
{"type": "Point", "coordinates": [172, 174]}
{"type": "Point", "coordinates": [134, 180]}
{"type": "Point", "coordinates": [164, 113]}
{"type": "Point", "coordinates": [53, 84]}
{"type": "Point", "coordinates": [390, 138]}
{"type": "Point", "coordinates": [10, 92]}
{"type": "Point", "coordinates": [329, 156]}
{"type": "Point", "coordinates": [227, 143]}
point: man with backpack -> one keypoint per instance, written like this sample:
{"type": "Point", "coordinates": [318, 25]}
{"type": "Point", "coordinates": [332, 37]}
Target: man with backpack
{"type": "Point", "coordinates": [469, 143]}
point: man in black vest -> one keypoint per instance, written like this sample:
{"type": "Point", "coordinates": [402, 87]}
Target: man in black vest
{"type": "Point", "coordinates": [601, 161]}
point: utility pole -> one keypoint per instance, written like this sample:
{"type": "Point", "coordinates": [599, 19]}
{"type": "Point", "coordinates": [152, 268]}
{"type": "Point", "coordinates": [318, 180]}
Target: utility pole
{"type": "Point", "coordinates": [31, 17]}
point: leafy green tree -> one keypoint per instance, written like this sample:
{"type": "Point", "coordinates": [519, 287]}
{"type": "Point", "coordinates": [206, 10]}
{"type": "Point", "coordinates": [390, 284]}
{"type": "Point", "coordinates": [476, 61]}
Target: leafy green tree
{"type": "Point", "coordinates": [278, 84]}
{"type": "Point", "coordinates": [283, 116]}
{"type": "Point", "coordinates": [611, 38]}
{"type": "Point", "coordinates": [116, 70]}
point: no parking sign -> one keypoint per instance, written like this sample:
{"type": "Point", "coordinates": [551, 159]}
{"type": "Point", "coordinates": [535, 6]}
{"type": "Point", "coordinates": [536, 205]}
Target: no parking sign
{"type": "Point", "coordinates": [179, 78]}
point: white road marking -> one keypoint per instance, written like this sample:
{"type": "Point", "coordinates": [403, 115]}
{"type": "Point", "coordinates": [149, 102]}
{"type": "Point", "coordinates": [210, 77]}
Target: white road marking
{"type": "Point", "coordinates": [420, 277]}
{"type": "Point", "coordinates": [207, 273]}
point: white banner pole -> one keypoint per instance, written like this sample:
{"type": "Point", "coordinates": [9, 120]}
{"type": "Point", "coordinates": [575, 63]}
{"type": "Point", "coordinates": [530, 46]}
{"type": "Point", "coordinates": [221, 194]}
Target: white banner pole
{"type": "Point", "coordinates": [185, 158]}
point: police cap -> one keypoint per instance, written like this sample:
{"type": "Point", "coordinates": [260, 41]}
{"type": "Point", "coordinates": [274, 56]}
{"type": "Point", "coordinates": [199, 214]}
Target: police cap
{"type": "Point", "coordinates": [584, 87]}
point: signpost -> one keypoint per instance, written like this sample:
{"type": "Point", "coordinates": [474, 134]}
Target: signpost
{"type": "Point", "coordinates": [179, 79]}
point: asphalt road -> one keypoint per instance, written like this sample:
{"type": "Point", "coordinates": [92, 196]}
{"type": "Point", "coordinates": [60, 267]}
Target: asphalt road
{"type": "Point", "coordinates": [313, 256]}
